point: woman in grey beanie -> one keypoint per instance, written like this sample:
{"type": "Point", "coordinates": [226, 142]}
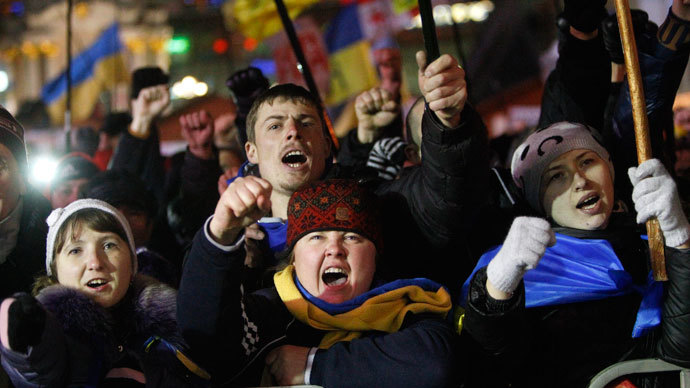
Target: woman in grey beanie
{"type": "Point", "coordinates": [588, 300]}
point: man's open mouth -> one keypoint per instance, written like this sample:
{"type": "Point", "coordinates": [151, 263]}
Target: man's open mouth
{"type": "Point", "coordinates": [294, 158]}
{"type": "Point", "coordinates": [334, 276]}
{"type": "Point", "coordinates": [588, 202]}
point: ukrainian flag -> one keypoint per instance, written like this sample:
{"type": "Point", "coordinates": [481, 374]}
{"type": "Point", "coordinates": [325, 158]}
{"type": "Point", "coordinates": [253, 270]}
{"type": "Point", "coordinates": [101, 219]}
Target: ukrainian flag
{"type": "Point", "coordinates": [351, 69]}
{"type": "Point", "coordinates": [99, 67]}
{"type": "Point", "coordinates": [259, 19]}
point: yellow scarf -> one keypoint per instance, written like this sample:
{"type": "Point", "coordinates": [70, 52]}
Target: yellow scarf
{"type": "Point", "coordinates": [384, 312]}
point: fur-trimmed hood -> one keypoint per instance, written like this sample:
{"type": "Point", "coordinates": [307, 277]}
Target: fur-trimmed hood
{"type": "Point", "coordinates": [148, 309]}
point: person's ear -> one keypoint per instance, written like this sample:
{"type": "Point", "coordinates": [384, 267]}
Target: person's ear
{"type": "Point", "coordinates": [252, 152]}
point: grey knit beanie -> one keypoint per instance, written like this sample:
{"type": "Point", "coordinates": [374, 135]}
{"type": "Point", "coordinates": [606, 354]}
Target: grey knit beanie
{"type": "Point", "coordinates": [542, 147]}
{"type": "Point", "coordinates": [60, 215]}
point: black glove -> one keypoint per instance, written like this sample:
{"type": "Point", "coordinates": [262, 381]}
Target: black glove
{"type": "Point", "coordinates": [25, 323]}
{"type": "Point", "coordinates": [612, 38]}
{"type": "Point", "coordinates": [585, 15]}
{"type": "Point", "coordinates": [246, 85]}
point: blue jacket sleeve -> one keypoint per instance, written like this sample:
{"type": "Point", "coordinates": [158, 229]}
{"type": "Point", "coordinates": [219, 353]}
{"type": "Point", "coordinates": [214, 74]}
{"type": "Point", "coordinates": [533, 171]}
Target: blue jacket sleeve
{"type": "Point", "coordinates": [419, 355]}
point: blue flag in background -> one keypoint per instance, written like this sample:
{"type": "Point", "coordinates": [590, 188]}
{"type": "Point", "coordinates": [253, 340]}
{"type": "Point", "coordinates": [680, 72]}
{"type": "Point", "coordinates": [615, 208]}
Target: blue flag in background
{"type": "Point", "coordinates": [98, 67]}
{"type": "Point", "coordinates": [349, 60]}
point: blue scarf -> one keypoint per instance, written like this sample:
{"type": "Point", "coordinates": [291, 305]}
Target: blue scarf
{"type": "Point", "coordinates": [578, 270]}
{"type": "Point", "coordinates": [276, 232]}
{"type": "Point", "coordinates": [340, 308]}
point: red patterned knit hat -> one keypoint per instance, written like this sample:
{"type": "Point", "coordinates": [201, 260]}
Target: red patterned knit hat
{"type": "Point", "coordinates": [336, 204]}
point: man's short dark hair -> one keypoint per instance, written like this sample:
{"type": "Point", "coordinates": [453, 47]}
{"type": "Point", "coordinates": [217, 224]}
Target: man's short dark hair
{"type": "Point", "coordinates": [289, 92]}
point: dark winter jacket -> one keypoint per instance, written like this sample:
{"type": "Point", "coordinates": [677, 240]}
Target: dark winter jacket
{"type": "Point", "coordinates": [142, 157]}
{"type": "Point", "coordinates": [84, 344]}
{"type": "Point", "coordinates": [428, 212]}
{"type": "Point", "coordinates": [566, 345]}
{"type": "Point", "coordinates": [231, 333]}
{"type": "Point", "coordinates": [578, 88]}
{"type": "Point", "coordinates": [27, 260]}
{"type": "Point", "coordinates": [662, 70]}
{"type": "Point", "coordinates": [196, 196]}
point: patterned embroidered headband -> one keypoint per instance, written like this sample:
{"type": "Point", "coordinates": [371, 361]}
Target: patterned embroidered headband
{"type": "Point", "coordinates": [336, 204]}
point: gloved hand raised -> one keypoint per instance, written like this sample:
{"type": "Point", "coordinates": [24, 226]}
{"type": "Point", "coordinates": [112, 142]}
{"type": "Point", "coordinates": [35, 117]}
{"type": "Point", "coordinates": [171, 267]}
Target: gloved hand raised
{"type": "Point", "coordinates": [584, 15]}
{"type": "Point", "coordinates": [522, 249]}
{"type": "Point", "coordinates": [25, 320]}
{"type": "Point", "coordinates": [246, 85]}
{"type": "Point", "coordinates": [655, 195]}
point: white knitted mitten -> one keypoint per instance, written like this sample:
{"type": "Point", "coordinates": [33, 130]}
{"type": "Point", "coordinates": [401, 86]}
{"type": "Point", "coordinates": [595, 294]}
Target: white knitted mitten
{"type": "Point", "coordinates": [655, 195]}
{"type": "Point", "coordinates": [521, 251]}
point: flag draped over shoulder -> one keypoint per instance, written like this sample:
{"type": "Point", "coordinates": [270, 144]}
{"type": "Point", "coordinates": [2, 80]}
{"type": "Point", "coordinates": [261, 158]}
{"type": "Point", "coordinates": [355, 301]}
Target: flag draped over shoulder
{"type": "Point", "coordinates": [351, 68]}
{"type": "Point", "coordinates": [98, 67]}
{"type": "Point", "coordinates": [580, 270]}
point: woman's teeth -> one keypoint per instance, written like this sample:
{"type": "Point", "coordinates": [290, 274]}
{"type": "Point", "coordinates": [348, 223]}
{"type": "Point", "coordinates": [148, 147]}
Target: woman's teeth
{"type": "Point", "coordinates": [96, 283]}
{"type": "Point", "coordinates": [334, 276]}
{"type": "Point", "coordinates": [589, 203]}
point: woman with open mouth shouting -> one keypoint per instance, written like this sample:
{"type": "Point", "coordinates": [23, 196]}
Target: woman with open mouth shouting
{"type": "Point", "coordinates": [328, 321]}
{"type": "Point", "coordinates": [589, 296]}
{"type": "Point", "coordinates": [95, 322]}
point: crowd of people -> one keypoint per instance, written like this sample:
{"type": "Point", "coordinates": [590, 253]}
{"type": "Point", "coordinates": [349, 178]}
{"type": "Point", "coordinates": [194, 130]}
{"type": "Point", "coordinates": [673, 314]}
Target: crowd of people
{"type": "Point", "coordinates": [268, 253]}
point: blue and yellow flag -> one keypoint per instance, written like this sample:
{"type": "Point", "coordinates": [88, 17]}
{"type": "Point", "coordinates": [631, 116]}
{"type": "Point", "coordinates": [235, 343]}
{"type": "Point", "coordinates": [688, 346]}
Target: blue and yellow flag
{"type": "Point", "coordinates": [351, 68]}
{"type": "Point", "coordinates": [99, 67]}
{"type": "Point", "coordinates": [259, 19]}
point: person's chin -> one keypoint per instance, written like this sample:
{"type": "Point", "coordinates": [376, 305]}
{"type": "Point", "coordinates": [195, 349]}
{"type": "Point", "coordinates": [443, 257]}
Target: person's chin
{"type": "Point", "coordinates": [296, 182]}
{"type": "Point", "coordinates": [595, 222]}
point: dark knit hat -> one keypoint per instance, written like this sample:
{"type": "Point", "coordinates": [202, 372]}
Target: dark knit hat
{"type": "Point", "coordinates": [542, 147]}
{"type": "Point", "coordinates": [75, 165]}
{"type": "Point", "coordinates": [12, 137]}
{"type": "Point", "coordinates": [145, 77]}
{"type": "Point", "coordinates": [337, 204]}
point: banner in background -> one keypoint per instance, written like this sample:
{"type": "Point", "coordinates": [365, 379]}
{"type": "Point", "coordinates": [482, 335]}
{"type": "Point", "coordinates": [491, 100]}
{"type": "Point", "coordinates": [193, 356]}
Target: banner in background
{"type": "Point", "coordinates": [99, 67]}
{"type": "Point", "coordinates": [352, 70]}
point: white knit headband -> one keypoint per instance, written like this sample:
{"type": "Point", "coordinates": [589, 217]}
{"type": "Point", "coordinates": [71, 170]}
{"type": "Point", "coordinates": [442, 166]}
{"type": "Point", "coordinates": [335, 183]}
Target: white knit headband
{"type": "Point", "coordinates": [59, 215]}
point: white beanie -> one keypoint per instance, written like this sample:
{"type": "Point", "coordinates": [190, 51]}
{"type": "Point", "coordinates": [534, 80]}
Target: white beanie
{"type": "Point", "coordinates": [59, 215]}
{"type": "Point", "coordinates": [542, 147]}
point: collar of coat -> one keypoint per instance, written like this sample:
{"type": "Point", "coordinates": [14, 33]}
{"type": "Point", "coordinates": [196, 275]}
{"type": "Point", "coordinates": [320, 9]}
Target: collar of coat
{"type": "Point", "coordinates": [148, 309]}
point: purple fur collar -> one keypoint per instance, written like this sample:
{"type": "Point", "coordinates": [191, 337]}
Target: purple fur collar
{"type": "Point", "coordinates": [148, 309]}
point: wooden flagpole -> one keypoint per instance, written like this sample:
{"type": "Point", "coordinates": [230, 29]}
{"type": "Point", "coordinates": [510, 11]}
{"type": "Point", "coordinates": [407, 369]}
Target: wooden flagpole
{"type": "Point", "coordinates": [639, 111]}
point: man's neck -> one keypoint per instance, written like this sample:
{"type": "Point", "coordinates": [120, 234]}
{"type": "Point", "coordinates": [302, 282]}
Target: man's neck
{"type": "Point", "coordinates": [279, 204]}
